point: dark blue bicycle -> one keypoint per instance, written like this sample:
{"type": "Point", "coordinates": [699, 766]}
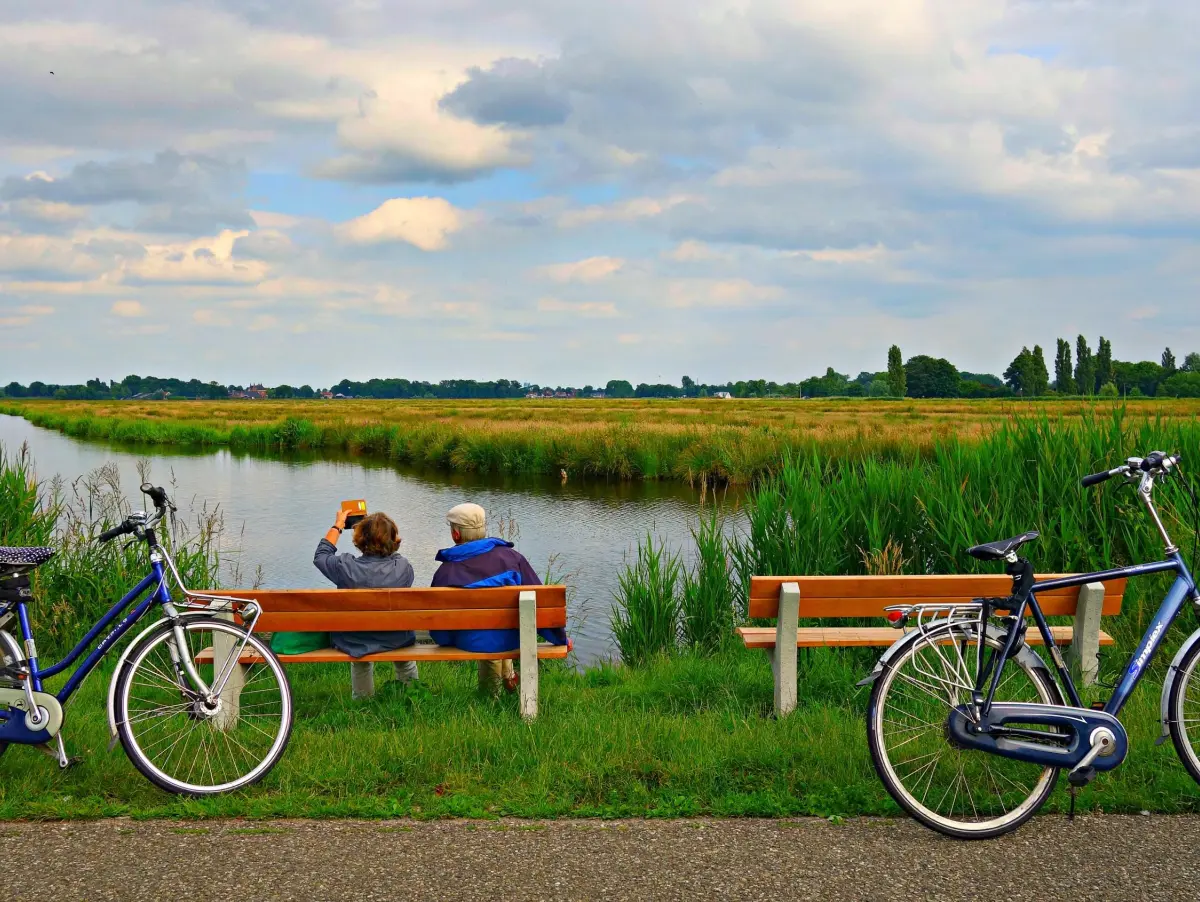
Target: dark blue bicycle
{"type": "Point", "coordinates": [968, 728]}
{"type": "Point", "coordinates": [199, 703]}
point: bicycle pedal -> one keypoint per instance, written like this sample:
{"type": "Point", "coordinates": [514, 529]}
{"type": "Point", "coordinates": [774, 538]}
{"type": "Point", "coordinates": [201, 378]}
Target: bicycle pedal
{"type": "Point", "coordinates": [1082, 776]}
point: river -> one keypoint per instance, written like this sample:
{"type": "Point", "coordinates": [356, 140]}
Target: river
{"type": "Point", "coordinates": [276, 508]}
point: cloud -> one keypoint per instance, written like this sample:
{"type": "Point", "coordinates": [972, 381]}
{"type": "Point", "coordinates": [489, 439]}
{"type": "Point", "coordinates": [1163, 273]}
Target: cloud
{"type": "Point", "coordinates": [590, 270]}
{"type": "Point", "coordinates": [509, 92]}
{"type": "Point", "coordinates": [128, 309]}
{"type": "Point", "coordinates": [424, 222]}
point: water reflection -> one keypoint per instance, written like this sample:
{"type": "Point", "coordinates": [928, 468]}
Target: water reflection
{"type": "Point", "coordinates": [277, 508]}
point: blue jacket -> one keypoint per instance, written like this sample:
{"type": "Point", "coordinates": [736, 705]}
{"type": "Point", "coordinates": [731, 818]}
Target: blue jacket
{"type": "Point", "coordinates": [479, 565]}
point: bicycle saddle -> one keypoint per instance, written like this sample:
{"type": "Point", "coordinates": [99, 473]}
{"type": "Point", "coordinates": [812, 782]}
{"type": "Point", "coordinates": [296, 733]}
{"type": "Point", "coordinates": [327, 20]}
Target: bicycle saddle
{"type": "Point", "coordinates": [24, 557]}
{"type": "Point", "coordinates": [995, 551]}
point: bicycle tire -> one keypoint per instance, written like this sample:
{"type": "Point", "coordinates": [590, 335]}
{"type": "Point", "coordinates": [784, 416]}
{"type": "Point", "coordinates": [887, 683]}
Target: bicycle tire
{"type": "Point", "coordinates": [1048, 693]}
{"type": "Point", "coordinates": [1177, 719]}
{"type": "Point", "coordinates": [188, 710]}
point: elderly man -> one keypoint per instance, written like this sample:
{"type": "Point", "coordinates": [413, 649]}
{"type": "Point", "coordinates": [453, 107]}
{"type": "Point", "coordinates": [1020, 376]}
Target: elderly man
{"type": "Point", "coordinates": [476, 562]}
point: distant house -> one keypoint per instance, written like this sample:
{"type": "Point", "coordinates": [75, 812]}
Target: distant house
{"type": "Point", "coordinates": [326, 394]}
{"type": "Point", "coordinates": [533, 395]}
{"type": "Point", "coordinates": [257, 392]}
{"type": "Point", "coordinates": [722, 394]}
{"type": "Point", "coordinates": [597, 394]}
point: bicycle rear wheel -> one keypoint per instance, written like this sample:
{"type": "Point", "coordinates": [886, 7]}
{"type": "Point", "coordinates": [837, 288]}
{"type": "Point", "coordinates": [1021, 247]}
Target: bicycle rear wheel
{"type": "Point", "coordinates": [963, 793]}
{"type": "Point", "coordinates": [186, 745]}
{"type": "Point", "coordinates": [1183, 708]}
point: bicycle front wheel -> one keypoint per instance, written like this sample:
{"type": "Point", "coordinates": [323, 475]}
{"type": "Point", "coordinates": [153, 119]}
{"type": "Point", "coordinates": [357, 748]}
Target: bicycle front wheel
{"type": "Point", "coordinates": [185, 744]}
{"type": "Point", "coordinates": [963, 793]}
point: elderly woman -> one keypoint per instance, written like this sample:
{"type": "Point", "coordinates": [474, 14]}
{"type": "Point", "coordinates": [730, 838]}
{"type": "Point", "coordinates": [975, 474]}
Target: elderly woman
{"type": "Point", "coordinates": [380, 566]}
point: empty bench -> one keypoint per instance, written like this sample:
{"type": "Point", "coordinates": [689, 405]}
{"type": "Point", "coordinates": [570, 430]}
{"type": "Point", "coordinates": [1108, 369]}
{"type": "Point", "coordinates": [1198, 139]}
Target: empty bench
{"type": "Point", "coordinates": [527, 609]}
{"type": "Point", "coordinates": [787, 599]}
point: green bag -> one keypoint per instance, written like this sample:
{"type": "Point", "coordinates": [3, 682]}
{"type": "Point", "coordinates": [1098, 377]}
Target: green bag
{"type": "Point", "coordinates": [298, 643]}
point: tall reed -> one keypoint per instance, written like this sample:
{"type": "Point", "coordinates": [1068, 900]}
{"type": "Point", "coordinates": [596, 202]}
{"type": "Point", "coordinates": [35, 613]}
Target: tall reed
{"type": "Point", "coordinates": [706, 603]}
{"type": "Point", "coordinates": [646, 614]}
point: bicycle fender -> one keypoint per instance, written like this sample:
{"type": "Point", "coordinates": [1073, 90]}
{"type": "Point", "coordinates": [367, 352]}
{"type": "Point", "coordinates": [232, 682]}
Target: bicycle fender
{"type": "Point", "coordinates": [1169, 685]}
{"type": "Point", "coordinates": [1025, 653]}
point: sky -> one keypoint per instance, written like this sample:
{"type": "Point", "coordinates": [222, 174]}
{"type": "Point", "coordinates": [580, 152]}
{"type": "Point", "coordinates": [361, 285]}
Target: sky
{"type": "Point", "coordinates": [567, 192]}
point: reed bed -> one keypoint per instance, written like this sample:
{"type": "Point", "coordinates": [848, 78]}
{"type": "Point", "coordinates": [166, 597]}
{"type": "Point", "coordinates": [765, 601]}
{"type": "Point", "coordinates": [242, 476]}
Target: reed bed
{"type": "Point", "coordinates": [701, 440]}
{"type": "Point", "coordinates": [822, 512]}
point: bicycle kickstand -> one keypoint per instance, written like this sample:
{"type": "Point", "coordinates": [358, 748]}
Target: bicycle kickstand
{"type": "Point", "coordinates": [1074, 790]}
{"type": "Point", "coordinates": [59, 754]}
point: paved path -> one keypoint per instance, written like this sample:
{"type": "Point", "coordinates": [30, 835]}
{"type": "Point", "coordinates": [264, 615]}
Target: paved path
{"type": "Point", "coordinates": [1095, 858]}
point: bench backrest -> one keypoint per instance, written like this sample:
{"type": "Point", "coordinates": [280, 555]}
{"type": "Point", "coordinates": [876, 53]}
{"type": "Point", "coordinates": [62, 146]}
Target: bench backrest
{"type": "Point", "coordinates": [339, 610]}
{"type": "Point", "coordinates": [867, 596]}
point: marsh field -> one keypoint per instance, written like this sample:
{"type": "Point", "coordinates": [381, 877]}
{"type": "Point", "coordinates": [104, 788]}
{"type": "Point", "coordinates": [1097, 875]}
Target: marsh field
{"type": "Point", "coordinates": [695, 440]}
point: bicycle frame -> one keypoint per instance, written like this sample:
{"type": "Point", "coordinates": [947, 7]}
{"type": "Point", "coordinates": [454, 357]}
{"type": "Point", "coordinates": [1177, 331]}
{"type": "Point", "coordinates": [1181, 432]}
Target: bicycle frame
{"type": "Point", "coordinates": [1181, 590]}
{"type": "Point", "coordinates": [155, 583]}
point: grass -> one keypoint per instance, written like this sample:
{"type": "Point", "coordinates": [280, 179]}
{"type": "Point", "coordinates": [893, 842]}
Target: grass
{"type": "Point", "coordinates": [702, 440]}
{"type": "Point", "coordinates": [681, 737]}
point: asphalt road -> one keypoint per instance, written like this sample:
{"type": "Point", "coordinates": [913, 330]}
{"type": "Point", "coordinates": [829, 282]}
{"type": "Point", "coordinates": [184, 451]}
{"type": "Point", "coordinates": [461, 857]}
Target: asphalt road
{"type": "Point", "coordinates": [1097, 857]}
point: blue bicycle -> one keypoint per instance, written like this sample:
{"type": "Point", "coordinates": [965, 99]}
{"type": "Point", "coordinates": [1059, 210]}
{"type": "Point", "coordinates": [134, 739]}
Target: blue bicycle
{"type": "Point", "coordinates": [968, 728]}
{"type": "Point", "coordinates": [199, 703]}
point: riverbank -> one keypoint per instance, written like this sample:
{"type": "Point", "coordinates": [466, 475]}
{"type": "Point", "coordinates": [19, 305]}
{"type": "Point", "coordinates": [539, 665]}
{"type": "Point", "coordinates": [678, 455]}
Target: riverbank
{"type": "Point", "coordinates": [699, 440]}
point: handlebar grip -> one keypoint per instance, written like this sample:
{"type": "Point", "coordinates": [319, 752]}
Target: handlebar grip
{"type": "Point", "coordinates": [157, 494]}
{"type": "Point", "coordinates": [116, 532]}
{"type": "Point", "coordinates": [1097, 478]}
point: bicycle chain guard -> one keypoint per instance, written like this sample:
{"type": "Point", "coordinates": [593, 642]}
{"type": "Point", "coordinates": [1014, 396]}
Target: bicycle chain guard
{"type": "Point", "coordinates": [23, 730]}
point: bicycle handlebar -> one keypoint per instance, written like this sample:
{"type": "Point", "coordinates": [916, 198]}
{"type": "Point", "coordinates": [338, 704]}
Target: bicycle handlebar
{"type": "Point", "coordinates": [116, 532]}
{"type": "Point", "coordinates": [1156, 463]}
{"type": "Point", "coordinates": [1097, 478]}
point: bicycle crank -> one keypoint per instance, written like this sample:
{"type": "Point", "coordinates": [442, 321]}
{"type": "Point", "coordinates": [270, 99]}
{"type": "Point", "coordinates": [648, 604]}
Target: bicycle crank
{"type": "Point", "coordinates": [45, 715]}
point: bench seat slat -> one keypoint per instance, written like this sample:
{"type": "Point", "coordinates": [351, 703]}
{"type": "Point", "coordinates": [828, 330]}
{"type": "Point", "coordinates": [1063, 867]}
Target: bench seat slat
{"type": "Point", "coordinates": [351, 621]}
{"type": "Point", "coordinates": [412, 653]}
{"type": "Point", "coordinates": [873, 636]}
{"type": "Point", "coordinates": [867, 596]}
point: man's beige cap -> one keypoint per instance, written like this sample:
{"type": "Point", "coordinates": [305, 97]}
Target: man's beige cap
{"type": "Point", "coordinates": [467, 516]}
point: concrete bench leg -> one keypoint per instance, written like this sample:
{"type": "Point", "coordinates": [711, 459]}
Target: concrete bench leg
{"type": "Point", "coordinates": [225, 647]}
{"type": "Point", "coordinates": [1085, 644]}
{"type": "Point", "coordinates": [362, 679]}
{"type": "Point", "coordinates": [783, 657]}
{"type": "Point", "coordinates": [527, 606]}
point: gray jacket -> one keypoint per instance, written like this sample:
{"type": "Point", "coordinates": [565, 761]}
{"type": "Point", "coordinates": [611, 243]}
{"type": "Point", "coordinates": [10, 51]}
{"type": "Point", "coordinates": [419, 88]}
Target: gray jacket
{"type": "Point", "coordinates": [350, 571]}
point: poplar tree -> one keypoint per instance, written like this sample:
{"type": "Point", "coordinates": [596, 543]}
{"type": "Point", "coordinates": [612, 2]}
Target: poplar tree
{"type": "Point", "coordinates": [1085, 367]}
{"type": "Point", "coordinates": [897, 379]}
{"type": "Point", "coordinates": [1064, 378]}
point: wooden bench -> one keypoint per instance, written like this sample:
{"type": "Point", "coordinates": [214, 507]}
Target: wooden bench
{"type": "Point", "coordinates": [787, 599]}
{"type": "Point", "coordinates": [527, 609]}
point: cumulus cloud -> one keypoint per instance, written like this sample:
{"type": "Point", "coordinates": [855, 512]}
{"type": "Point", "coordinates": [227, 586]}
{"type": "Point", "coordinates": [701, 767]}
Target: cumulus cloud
{"type": "Point", "coordinates": [423, 222]}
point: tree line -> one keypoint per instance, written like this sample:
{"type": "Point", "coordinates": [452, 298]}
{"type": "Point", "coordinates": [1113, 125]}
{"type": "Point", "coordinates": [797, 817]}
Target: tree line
{"type": "Point", "coordinates": [1078, 371]}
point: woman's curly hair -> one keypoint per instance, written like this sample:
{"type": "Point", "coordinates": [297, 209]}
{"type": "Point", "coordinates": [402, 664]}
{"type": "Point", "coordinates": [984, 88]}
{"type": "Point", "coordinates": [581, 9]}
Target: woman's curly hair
{"type": "Point", "coordinates": [376, 535]}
